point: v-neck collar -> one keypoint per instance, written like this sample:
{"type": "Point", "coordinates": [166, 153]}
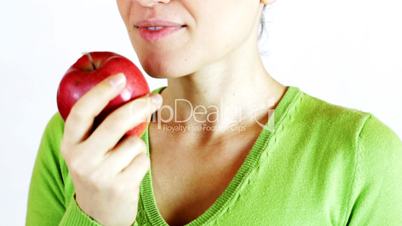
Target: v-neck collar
{"type": "Point", "coordinates": [146, 189]}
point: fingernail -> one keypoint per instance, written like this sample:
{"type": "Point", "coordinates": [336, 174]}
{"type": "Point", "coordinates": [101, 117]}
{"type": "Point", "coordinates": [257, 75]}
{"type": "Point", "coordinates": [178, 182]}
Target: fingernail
{"type": "Point", "coordinates": [117, 80]}
{"type": "Point", "coordinates": [156, 99]}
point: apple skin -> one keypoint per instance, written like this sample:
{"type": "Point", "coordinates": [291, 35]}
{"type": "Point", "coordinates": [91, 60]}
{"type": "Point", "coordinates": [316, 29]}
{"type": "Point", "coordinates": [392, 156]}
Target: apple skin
{"type": "Point", "coordinates": [91, 69]}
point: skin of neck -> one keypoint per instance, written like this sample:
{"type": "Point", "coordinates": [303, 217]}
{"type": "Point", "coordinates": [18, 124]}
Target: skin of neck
{"type": "Point", "coordinates": [227, 92]}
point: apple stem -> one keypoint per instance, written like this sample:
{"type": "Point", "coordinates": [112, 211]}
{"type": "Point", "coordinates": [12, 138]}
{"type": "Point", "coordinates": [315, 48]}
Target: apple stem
{"type": "Point", "coordinates": [91, 60]}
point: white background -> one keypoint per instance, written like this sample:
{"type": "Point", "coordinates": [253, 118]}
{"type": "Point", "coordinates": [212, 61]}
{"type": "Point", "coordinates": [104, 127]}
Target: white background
{"type": "Point", "coordinates": [347, 52]}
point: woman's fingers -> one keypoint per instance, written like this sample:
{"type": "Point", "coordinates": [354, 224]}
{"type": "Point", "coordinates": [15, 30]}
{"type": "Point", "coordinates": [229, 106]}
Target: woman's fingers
{"type": "Point", "coordinates": [136, 170]}
{"type": "Point", "coordinates": [84, 111]}
{"type": "Point", "coordinates": [115, 125]}
{"type": "Point", "coordinates": [120, 157]}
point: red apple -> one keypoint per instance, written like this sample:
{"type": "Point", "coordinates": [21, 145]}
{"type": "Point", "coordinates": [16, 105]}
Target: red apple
{"type": "Point", "coordinates": [91, 69]}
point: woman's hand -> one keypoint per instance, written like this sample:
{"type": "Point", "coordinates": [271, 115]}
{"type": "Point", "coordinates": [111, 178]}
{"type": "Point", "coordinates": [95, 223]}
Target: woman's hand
{"type": "Point", "coordinates": [107, 173]}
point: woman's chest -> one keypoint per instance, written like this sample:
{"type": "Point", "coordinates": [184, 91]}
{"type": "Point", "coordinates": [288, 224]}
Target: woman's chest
{"type": "Point", "coordinates": [186, 182]}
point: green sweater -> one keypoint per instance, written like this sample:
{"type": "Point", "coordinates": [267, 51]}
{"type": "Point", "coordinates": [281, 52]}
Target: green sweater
{"type": "Point", "coordinates": [315, 163]}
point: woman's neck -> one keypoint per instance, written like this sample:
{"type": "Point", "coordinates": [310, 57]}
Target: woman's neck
{"type": "Point", "coordinates": [222, 94]}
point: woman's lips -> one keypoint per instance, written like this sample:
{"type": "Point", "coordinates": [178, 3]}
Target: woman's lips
{"type": "Point", "coordinates": [158, 32]}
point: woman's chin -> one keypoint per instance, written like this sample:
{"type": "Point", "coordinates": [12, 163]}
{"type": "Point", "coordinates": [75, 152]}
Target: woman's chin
{"type": "Point", "coordinates": [162, 69]}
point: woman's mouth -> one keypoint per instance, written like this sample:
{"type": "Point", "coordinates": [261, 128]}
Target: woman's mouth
{"type": "Point", "coordinates": [155, 33]}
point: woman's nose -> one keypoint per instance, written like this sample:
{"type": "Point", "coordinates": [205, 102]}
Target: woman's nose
{"type": "Point", "coordinates": [151, 3]}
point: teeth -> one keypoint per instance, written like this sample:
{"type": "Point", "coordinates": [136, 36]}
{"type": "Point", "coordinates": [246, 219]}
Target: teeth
{"type": "Point", "coordinates": [154, 28]}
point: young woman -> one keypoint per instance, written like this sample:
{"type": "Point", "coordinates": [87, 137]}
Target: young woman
{"type": "Point", "coordinates": [253, 152]}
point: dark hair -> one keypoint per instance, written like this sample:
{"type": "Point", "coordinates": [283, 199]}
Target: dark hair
{"type": "Point", "coordinates": [262, 21]}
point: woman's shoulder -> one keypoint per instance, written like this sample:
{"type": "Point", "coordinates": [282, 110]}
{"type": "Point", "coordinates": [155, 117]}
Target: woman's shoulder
{"type": "Point", "coordinates": [361, 141]}
{"type": "Point", "coordinates": [53, 133]}
{"type": "Point", "coordinates": [321, 113]}
{"type": "Point", "coordinates": [318, 111]}
{"type": "Point", "coordinates": [52, 137]}
{"type": "Point", "coordinates": [364, 132]}
{"type": "Point", "coordinates": [56, 123]}
{"type": "Point", "coordinates": [357, 145]}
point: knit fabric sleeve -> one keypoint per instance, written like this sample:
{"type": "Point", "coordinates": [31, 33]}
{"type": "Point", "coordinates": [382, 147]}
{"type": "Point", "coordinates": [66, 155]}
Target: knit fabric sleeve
{"type": "Point", "coordinates": [377, 190]}
{"type": "Point", "coordinates": [47, 198]}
